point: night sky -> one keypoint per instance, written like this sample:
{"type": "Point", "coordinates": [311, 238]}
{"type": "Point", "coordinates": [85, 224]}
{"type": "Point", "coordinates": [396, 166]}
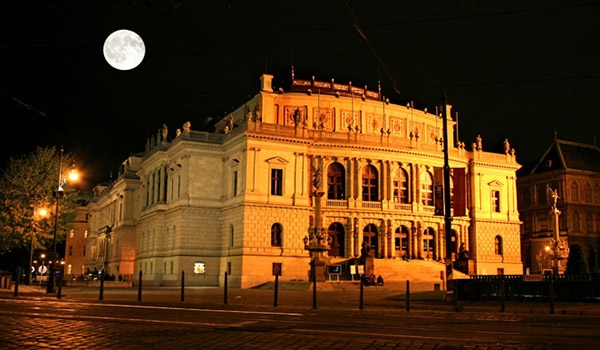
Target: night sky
{"type": "Point", "coordinates": [511, 69]}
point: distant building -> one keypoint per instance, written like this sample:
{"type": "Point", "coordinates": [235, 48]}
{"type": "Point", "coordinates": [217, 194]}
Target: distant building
{"type": "Point", "coordinates": [114, 211]}
{"type": "Point", "coordinates": [573, 170]}
{"type": "Point", "coordinates": [76, 237]}
{"type": "Point", "coordinates": [241, 200]}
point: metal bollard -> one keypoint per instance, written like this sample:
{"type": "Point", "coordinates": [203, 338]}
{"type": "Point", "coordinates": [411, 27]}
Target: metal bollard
{"type": "Point", "coordinates": [17, 281]}
{"type": "Point", "coordinates": [225, 289]}
{"type": "Point", "coordinates": [182, 285]}
{"type": "Point", "coordinates": [407, 295]}
{"type": "Point", "coordinates": [276, 290]}
{"type": "Point", "coordinates": [140, 287]}
{"type": "Point", "coordinates": [59, 283]}
{"type": "Point", "coordinates": [362, 293]}
{"type": "Point", "coordinates": [101, 296]}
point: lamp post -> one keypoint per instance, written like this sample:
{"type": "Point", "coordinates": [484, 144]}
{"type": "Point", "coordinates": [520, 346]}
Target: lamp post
{"type": "Point", "coordinates": [59, 192]}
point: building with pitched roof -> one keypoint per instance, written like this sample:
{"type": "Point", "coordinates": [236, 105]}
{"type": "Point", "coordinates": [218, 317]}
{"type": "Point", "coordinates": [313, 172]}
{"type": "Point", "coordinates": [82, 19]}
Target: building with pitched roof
{"type": "Point", "coordinates": [570, 170]}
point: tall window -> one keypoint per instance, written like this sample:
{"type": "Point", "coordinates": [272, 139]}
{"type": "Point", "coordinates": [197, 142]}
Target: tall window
{"type": "Point", "coordinates": [426, 189]}
{"type": "Point", "coordinates": [235, 183]}
{"type": "Point", "coordinates": [498, 249]}
{"type": "Point", "coordinates": [276, 235]}
{"type": "Point", "coordinates": [574, 192]}
{"type": "Point", "coordinates": [400, 186]}
{"type": "Point", "coordinates": [335, 181]}
{"type": "Point", "coordinates": [496, 201]}
{"type": "Point", "coordinates": [277, 182]}
{"type": "Point", "coordinates": [231, 235]}
{"type": "Point", "coordinates": [589, 223]}
{"type": "Point", "coordinates": [596, 193]}
{"type": "Point", "coordinates": [542, 190]}
{"type": "Point", "coordinates": [576, 222]}
{"type": "Point", "coordinates": [337, 240]}
{"type": "Point", "coordinates": [429, 243]}
{"type": "Point", "coordinates": [587, 193]}
{"type": "Point", "coordinates": [370, 187]}
{"type": "Point", "coordinates": [370, 240]}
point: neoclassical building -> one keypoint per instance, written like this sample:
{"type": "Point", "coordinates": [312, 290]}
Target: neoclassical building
{"type": "Point", "coordinates": [572, 169]}
{"type": "Point", "coordinates": [241, 200]}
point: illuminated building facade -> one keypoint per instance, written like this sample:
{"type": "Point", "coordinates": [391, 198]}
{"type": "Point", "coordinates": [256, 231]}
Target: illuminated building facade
{"type": "Point", "coordinates": [573, 170]}
{"type": "Point", "coordinates": [239, 201]}
{"type": "Point", "coordinates": [113, 216]}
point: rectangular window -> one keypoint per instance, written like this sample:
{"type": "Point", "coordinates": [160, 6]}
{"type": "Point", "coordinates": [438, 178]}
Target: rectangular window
{"type": "Point", "coordinates": [496, 201]}
{"type": "Point", "coordinates": [235, 181]}
{"type": "Point", "coordinates": [277, 182]}
{"type": "Point", "coordinates": [229, 268]}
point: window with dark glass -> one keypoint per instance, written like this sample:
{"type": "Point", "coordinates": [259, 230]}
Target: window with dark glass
{"type": "Point", "coordinates": [235, 183]}
{"type": "Point", "coordinates": [498, 250]}
{"type": "Point", "coordinates": [335, 181]}
{"type": "Point", "coordinates": [277, 182]}
{"type": "Point", "coordinates": [276, 235]}
{"type": "Point", "coordinates": [400, 187]}
{"type": "Point", "coordinates": [576, 222]}
{"type": "Point", "coordinates": [574, 192]}
{"type": "Point", "coordinates": [587, 193]}
{"type": "Point", "coordinates": [370, 187]}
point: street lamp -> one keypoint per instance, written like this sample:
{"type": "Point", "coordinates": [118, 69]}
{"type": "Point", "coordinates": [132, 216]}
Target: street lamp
{"type": "Point", "coordinates": [73, 175]}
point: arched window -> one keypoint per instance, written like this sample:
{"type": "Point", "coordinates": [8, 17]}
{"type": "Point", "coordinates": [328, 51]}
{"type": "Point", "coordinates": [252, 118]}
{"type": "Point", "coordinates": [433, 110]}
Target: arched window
{"type": "Point", "coordinates": [589, 223]}
{"type": "Point", "coordinates": [429, 243]}
{"type": "Point", "coordinates": [336, 240]}
{"type": "Point", "coordinates": [498, 249]}
{"type": "Point", "coordinates": [401, 242]}
{"type": "Point", "coordinates": [574, 192]}
{"type": "Point", "coordinates": [596, 193]}
{"type": "Point", "coordinates": [587, 193]}
{"type": "Point", "coordinates": [335, 181]}
{"type": "Point", "coordinates": [276, 235]}
{"type": "Point", "coordinates": [426, 189]}
{"type": "Point", "coordinates": [370, 184]}
{"type": "Point", "coordinates": [400, 186]}
{"type": "Point", "coordinates": [370, 237]}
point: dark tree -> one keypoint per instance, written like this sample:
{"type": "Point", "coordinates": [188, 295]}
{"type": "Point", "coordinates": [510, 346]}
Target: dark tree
{"type": "Point", "coordinates": [576, 264]}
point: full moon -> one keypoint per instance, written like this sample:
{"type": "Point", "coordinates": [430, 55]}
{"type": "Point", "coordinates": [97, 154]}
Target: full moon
{"type": "Point", "coordinates": [124, 49]}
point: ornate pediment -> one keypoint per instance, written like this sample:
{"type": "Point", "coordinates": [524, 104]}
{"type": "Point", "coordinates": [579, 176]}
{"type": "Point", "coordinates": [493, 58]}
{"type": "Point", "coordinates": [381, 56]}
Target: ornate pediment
{"type": "Point", "coordinates": [277, 160]}
{"type": "Point", "coordinates": [495, 183]}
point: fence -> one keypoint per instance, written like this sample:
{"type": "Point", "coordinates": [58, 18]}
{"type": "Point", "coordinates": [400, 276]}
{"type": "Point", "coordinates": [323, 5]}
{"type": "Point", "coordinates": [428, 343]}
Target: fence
{"type": "Point", "coordinates": [530, 287]}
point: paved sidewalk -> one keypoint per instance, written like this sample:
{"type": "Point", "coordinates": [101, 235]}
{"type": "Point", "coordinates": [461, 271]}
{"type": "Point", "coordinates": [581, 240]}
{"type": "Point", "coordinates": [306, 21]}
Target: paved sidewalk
{"type": "Point", "coordinates": [296, 296]}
